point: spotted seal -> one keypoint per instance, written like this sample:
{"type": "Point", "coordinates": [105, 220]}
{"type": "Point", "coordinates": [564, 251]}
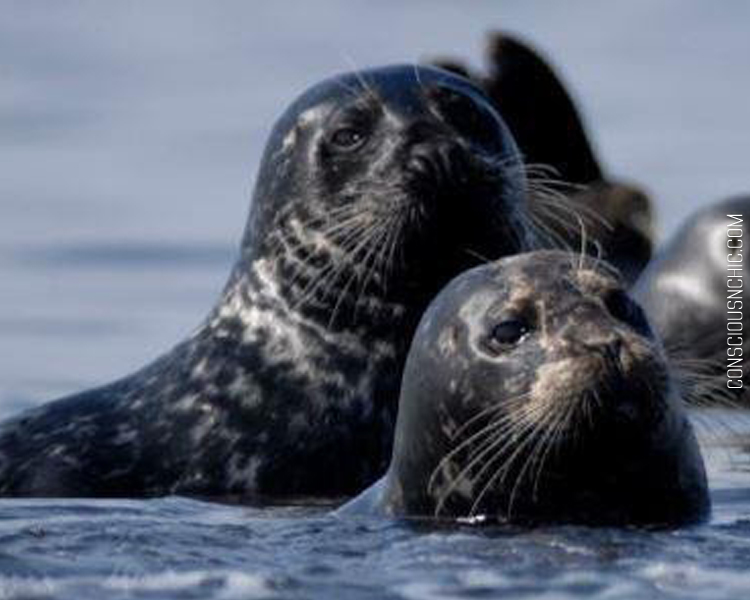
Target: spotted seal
{"type": "Point", "coordinates": [375, 188]}
{"type": "Point", "coordinates": [548, 127]}
{"type": "Point", "coordinates": [535, 391]}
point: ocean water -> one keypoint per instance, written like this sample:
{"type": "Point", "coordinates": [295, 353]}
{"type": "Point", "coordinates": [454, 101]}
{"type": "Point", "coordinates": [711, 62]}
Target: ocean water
{"type": "Point", "coordinates": [129, 138]}
{"type": "Point", "coordinates": [183, 548]}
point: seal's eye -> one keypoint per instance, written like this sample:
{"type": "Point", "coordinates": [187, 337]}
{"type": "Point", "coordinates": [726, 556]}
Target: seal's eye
{"type": "Point", "coordinates": [507, 333]}
{"type": "Point", "coordinates": [621, 307]}
{"type": "Point", "coordinates": [347, 138]}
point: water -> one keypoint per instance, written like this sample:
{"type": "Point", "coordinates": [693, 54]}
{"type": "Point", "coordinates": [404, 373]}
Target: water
{"type": "Point", "coordinates": [129, 138]}
{"type": "Point", "coordinates": [181, 548]}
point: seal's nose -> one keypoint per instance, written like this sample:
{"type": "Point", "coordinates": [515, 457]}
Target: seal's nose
{"type": "Point", "coordinates": [610, 351]}
{"type": "Point", "coordinates": [592, 335]}
{"type": "Point", "coordinates": [436, 163]}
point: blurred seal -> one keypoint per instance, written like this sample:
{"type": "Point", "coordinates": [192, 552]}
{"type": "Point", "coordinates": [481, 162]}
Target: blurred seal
{"type": "Point", "coordinates": [534, 391]}
{"type": "Point", "coordinates": [549, 131]}
{"type": "Point", "coordinates": [694, 293]}
{"type": "Point", "coordinates": [375, 189]}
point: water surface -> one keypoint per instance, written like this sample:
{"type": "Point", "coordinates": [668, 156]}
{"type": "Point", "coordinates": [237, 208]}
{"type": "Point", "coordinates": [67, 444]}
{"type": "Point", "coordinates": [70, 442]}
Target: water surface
{"type": "Point", "coordinates": [183, 548]}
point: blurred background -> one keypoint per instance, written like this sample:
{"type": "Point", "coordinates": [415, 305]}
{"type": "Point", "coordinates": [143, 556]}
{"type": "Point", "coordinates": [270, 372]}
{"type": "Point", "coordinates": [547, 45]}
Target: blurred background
{"type": "Point", "coordinates": [130, 134]}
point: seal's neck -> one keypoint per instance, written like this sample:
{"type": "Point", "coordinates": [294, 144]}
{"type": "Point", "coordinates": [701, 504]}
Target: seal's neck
{"type": "Point", "coordinates": [419, 445]}
{"type": "Point", "coordinates": [263, 294]}
{"type": "Point", "coordinates": [333, 272]}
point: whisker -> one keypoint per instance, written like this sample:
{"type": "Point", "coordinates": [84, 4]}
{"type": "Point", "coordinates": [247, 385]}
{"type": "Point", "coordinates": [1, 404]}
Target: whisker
{"type": "Point", "coordinates": [512, 422]}
{"type": "Point", "coordinates": [519, 446]}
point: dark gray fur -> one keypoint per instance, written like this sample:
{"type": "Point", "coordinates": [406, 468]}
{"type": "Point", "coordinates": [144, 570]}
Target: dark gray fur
{"type": "Point", "coordinates": [289, 387]}
{"type": "Point", "coordinates": [577, 420]}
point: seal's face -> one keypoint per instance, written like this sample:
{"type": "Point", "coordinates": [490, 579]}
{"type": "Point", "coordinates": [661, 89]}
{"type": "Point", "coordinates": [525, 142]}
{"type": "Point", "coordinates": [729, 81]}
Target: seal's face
{"type": "Point", "coordinates": [535, 390]}
{"type": "Point", "coordinates": [385, 184]}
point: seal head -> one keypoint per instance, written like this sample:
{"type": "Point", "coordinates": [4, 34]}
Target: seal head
{"type": "Point", "coordinates": [382, 168]}
{"type": "Point", "coordinates": [535, 391]}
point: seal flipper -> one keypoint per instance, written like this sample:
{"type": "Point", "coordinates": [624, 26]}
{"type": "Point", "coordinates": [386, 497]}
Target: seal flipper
{"type": "Point", "coordinates": [540, 110]}
{"type": "Point", "coordinates": [537, 107]}
{"type": "Point", "coordinates": [549, 130]}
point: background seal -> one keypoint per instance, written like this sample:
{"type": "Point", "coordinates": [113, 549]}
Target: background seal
{"type": "Point", "coordinates": [684, 290]}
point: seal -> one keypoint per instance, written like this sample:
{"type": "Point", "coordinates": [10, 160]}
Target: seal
{"type": "Point", "coordinates": [691, 299]}
{"type": "Point", "coordinates": [535, 391]}
{"type": "Point", "coordinates": [549, 129]}
{"type": "Point", "coordinates": [374, 190]}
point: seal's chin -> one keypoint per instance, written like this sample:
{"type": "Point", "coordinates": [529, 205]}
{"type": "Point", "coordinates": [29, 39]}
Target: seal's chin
{"type": "Point", "coordinates": [577, 478]}
{"type": "Point", "coordinates": [585, 448]}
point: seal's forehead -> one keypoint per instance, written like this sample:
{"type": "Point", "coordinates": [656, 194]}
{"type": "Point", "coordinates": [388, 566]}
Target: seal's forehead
{"type": "Point", "coordinates": [397, 83]}
{"type": "Point", "coordinates": [414, 79]}
{"type": "Point", "coordinates": [399, 89]}
{"type": "Point", "coordinates": [535, 274]}
{"type": "Point", "coordinates": [513, 284]}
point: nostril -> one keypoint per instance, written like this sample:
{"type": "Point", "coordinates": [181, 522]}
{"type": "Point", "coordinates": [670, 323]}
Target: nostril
{"type": "Point", "coordinates": [437, 163]}
{"type": "Point", "coordinates": [609, 348]}
{"type": "Point", "coordinates": [453, 153]}
{"type": "Point", "coordinates": [453, 162]}
{"type": "Point", "coordinates": [613, 352]}
{"type": "Point", "coordinates": [421, 165]}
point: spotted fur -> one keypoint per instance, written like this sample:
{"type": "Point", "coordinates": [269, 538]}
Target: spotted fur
{"type": "Point", "coordinates": [289, 387]}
